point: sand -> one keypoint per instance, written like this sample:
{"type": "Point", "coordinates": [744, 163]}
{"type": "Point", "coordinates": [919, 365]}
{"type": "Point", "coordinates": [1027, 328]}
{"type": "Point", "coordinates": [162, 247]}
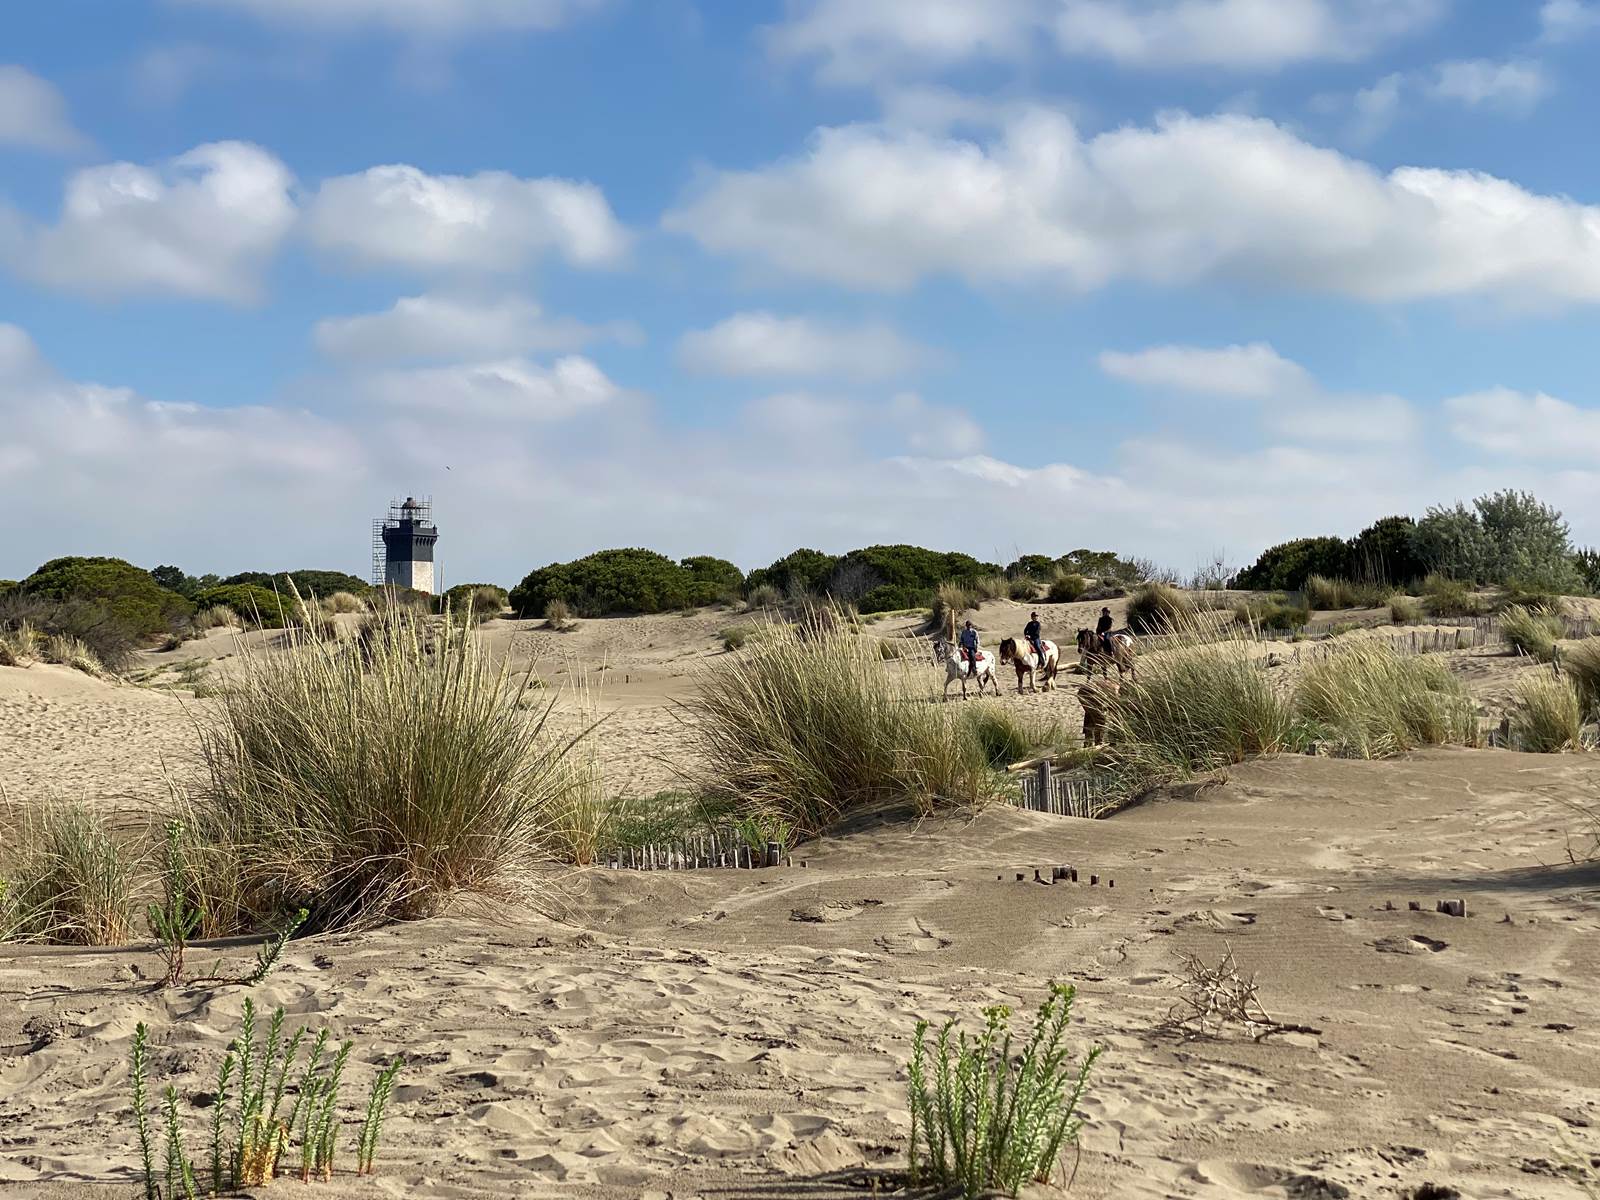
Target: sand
{"type": "Point", "coordinates": [744, 1034]}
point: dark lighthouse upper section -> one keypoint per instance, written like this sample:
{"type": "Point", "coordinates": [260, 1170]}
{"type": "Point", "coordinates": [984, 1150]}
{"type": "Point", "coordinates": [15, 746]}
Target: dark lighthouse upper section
{"type": "Point", "coordinates": [409, 535]}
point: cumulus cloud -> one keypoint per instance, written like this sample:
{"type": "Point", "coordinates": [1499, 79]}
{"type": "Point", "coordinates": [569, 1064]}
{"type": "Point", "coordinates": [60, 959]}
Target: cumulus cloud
{"type": "Point", "coordinates": [854, 42]}
{"type": "Point", "coordinates": [33, 114]}
{"type": "Point", "coordinates": [1524, 425]}
{"type": "Point", "coordinates": [513, 389]}
{"type": "Point", "coordinates": [427, 17]}
{"type": "Point", "coordinates": [1567, 20]}
{"type": "Point", "coordinates": [1228, 198]}
{"type": "Point", "coordinates": [1292, 404]}
{"type": "Point", "coordinates": [399, 216]}
{"type": "Point", "coordinates": [203, 224]}
{"type": "Point", "coordinates": [764, 344]}
{"type": "Point", "coordinates": [444, 326]}
{"type": "Point", "coordinates": [1517, 86]}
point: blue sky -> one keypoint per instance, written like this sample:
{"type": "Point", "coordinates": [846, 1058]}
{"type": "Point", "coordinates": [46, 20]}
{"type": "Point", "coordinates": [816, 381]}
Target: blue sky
{"type": "Point", "coordinates": [1176, 277]}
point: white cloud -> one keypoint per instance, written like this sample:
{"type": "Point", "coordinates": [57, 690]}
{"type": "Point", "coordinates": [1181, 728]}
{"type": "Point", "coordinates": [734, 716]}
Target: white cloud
{"type": "Point", "coordinates": [399, 216]}
{"type": "Point", "coordinates": [513, 389]}
{"type": "Point", "coordinates": [1515, 86]}
{"type": "Point", "coordinates": [1244, 34]}
{"type": "Point", "coordinates": [1523, 425]}
{"type": "Point", "coordinates": [1192, 199]}
{"type": "Point", "coordinates": [450, 326]}
{"type": "Point", "coordinates": [423, 17]}
{"type": "Point", "coordinates": [761, 343]}
{"type": "Point", "coordinates": [1566, 20]}
{"type": "Point", "coordinates": [33, 113]}
{"type": "Point", "coordinates": [1375, 109]}
{"type": "Point", "coordinates": [1292, 404]}
{"type": "Point", "coordinates": [856, 42]}
{"type": "Point", "coordinates": [203, 225]}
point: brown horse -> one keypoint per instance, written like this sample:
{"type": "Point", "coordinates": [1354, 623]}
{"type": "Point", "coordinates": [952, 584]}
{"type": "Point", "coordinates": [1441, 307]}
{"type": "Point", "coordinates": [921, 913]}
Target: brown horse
{"type": "Point", "coordinates": [1025, 661]}
{"type": "Point", "coordinates": [1122, 655]}
{"type": "Point", "coordinates": [1098, 696]}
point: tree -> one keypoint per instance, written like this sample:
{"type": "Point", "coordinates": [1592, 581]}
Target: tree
{"type": "Point", "coordinates": [714, 578]}
{"type": "Point", "coordinates": [799, 571]}
{"type": "Point", "coordinates": [127, 594]}
{"type": "Point", "coordinates": [1386, 552]}
{"type": "Point", "coordinates": [1451, 542]}
{"type": "Point", "coordinates": [605, 583]}
{"type": "Point", "coordinates": [1038, 567]}
{"type": "Point", "coordinates": [1287, 566]}
{"type": "Point", "coordinates": [1527, 542]}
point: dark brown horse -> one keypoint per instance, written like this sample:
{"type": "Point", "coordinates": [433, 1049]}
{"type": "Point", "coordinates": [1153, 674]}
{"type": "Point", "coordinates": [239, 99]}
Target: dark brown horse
{"type": "Point", "coordinates": [1121, 655]}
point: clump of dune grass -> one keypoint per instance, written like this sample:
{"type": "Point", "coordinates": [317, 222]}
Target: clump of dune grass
{"type": "Point", "coordinates": [218, 616]}
{"type": "Point", "coordinates": [1582, 666]}
{"type": "Point", "coordinates": [809, 728]}
{"type": "Point", "coordinates": [1533, 632]}
{"type": "Point", "coordinates": [1065, 587]}
{"type": "Point", "coordinates": [1275, 613]}
{"type": "Point", "coordinates": [734, 637]}
{"type": "Point", "coordinates": [1515, 595]}
{"type": "Point", "coordinates": [1368, 701]}
{"type": "Point", "coordinates": [950, 601]}
{"type": "Point", "coordinates": [343, 603]}
{"type": "Point", "coordinates": [1198, 707]}
{"type": "Point", "coordinates": [991, 587]}
{"type": "Point", "coordinates": [20, 645]}
{"type": "Point", "coordinates": [1445, 597]}
{"type": "Point", "coordinates": [373, 781]}
{"type": "Point", "coordinates": [558, 616]}
{"type": "Point", "coordinates": [1403, 610]}
{"type": "Point", "coordinates": [1005, 736]}
{"type": "Point", "coordinates": [1158, 608]}
{"type": "Point", "coordinates": [1547, 717]}
{"type": "Point", "coordinates": [1324, 593]}
{"type": "Point", "coordinates": [70, 877]}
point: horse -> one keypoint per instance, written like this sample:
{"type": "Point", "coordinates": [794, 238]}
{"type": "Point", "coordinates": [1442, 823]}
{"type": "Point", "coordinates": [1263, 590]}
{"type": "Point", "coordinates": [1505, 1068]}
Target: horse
{"type": "Point", "coordinates": [1025, 660]}
{"type": "Point", "coordinates": [1098, 697]}
{"type": "Point", "coordinates": [1122, 655]}
{"type": "Point", "coordinates": [955, 668]}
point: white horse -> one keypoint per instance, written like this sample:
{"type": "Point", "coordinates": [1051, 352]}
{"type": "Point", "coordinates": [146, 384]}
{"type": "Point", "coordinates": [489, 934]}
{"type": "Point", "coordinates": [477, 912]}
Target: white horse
{"type": "Point", "coordinates": [955, 668]}
{"type": "Point", "coordinates": [1021, 656]}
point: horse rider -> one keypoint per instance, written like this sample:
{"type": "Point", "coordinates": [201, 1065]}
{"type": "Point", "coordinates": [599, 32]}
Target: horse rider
{"type": "Point", "coordinates": [969, 647]}
{"type": "Point", "coordinates": [1035, 635]}
{"type": "Point", "coordinates": [1102, 629]}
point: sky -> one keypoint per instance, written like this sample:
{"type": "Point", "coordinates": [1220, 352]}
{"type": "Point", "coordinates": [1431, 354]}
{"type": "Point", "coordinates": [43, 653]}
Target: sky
{"type": "Point", "coordinates": [1180, 278]}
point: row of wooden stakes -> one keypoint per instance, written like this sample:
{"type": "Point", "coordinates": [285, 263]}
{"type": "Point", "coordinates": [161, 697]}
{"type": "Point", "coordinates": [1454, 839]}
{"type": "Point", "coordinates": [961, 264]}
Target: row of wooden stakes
{"type": "Point", "coordinates": [1057, 875]}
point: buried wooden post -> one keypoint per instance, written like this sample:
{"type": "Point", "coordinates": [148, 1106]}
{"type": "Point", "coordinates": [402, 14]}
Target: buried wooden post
{"type": "Point", "coordinates": [1044, 786]}
{"type": "Point", "coordinates": [1452, 908]}
{"type": "Point", "coordinates": [774, 853]}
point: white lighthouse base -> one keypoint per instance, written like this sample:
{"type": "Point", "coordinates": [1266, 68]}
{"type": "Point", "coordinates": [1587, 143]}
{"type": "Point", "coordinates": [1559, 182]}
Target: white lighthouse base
{"type": "Point", "coordinates": [418, 576]}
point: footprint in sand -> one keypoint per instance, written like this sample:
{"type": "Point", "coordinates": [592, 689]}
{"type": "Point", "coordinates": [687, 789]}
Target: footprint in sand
{"type": "Point", "coordinates": [831, 910]}
{"type": "Point", "coordinates": [1415, 944]}
{"type": "Point", "coordinates": [922, 941]}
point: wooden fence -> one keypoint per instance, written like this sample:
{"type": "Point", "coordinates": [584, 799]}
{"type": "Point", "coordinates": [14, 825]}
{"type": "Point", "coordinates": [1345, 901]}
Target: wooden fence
{"type": "Point", "coordinates": [1079, 795]}
{"type": "Point", "coordinates": [723, 848]}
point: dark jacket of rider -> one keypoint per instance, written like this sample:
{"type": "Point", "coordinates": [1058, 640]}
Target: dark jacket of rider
{"type": "Point", "coordinates": [1103, 626]}
{"type": "Point", "coordinates": [1032, 631]}
{"type": "Point", "coordinates": [969, 641]}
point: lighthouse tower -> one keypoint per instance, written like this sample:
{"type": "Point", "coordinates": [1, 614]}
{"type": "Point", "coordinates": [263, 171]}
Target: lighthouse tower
{"type": "Point", "coordinates": [405, 539]}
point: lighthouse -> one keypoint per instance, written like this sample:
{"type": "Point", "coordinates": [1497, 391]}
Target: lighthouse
{"type": "Point", "coordinates": [404, 540]}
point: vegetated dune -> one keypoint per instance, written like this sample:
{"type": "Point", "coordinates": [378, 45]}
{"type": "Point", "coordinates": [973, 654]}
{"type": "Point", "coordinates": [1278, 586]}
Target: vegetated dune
{"type": "Point", "coordinates": [745, 1034]}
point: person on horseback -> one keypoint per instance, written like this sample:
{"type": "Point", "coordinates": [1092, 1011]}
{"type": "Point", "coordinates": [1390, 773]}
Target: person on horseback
{"type": "Point", "coordinates": [1103, 629]}
{"type": "Point", "coordinates": [1035, 635]}
{"type": "Point", "coordinates": [969, 647]}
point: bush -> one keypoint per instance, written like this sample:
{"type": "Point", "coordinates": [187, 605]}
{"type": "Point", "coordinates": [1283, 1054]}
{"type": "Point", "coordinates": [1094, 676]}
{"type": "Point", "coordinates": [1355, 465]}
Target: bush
{"type": "Point", "coordinates": [1065, 587]}
{"type": "Point", "coordinates": [217, 616]}
{"type": "Point", "coordinates": [121, 590]}
{"type": "Point", "coordinates": [252, 604]}
{"type": "Point", "coordinates": [734, 637]}
{"type": "Point", "coordinates": [371, 786]}
{"type": "Point", "coordinates": [557, 616]}
{"type": "Point", "coordinates": [991, 587]}
{"type": "Point", "coordinates": [1368, 701]}
{"type": "Point", "coordinates": [1158, 608]}
{"type": "Point", "coordinates": [1582, 665]}
{"type": "Point", "coordinates": [1000, 736]}
{"type": "Point", "coordinates": [1548, 715]}
{"type": "Point", "coordinates": [1274, 613]}
{"type": "Point", "coordinates": [310, 584]}
{"type": "Point", "coordinates": [1287, 566]}
{"type": "Point", "coordinates": [1446, 597]}
{"type": "Point", "coordinates": [890, 578]}
{"type": "Point", "coordinates": [344, 603]}
{"type": "Point", "coordinates": [993, 1120]}
{"type": "Point", "coordinates": [7, 585]}
{"type": "Point", "coordinates": [1514, 594]}
{"type": "Point", "coordinates": [1403, 610]}
{"type": "Point", "coordinates": [1032, 568]}
{"type": "Point", "coordinates": [1532, 632]}
{"type": "Point", "coordinates": [26, 622]}
{"type": "Point", "coordinates": [1198, 707]}
{"type": "Point", "coordinates": [804, 572]}
{"type": "Point", "coordinates": [607, 582]}
{"type": "Point", "coordinates": [809, 728]}
{"type": "Point", "coordinates": [1104, 566]}
{"type": "Point", "coordinates": [763, 596]}
{"type": "Point", "coordinates": [1386, 551]}
{"type": "Point", "coordinates": [67, 877]}
{"type": "Point", "coordinates": [1334, 594]}
{"type": "Point", "coordinates": [1022, 590]}
{"type": "Point", "coordinates": [477, 601]}
{"type": "Point", "coordinates": [68, 651]}
{"type": "Point", "coordinates": [713, 580]}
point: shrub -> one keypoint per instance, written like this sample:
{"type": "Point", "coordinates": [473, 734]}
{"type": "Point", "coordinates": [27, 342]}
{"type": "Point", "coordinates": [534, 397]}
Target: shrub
{"type": "Point", "coordinates": [1104, 566]}
{"type": "Point", "coordinates": [68, 651]}
{"type": "Point", "coordinates": [558, 617]}
{"type": "Point", "coordinates": [991, 1119]}
{"type": "Point", "coordinates": [991, 587]}
{"type": "Point", "coordinates": [119, 589]}
{"type": "Point", "coordinates": [344, 603]}
{"type": "Point", "coordinates": [1333, 594]}
{"type": "Point", "coordinates": [217, 616]}
{"type": "Point", "coordinates": [370, 786]}
{"type": "Point", "coordinates": [1446, 597]}
{"type": "Point", "coordinates": [1274, 613]}
{"type": "Point", "coordinates": [713, 580]}
{"type": "Point", "coordinates": [763, 596]}
{"type": "Point", "coordinates": [1287, 566]}
{"type": "Point", "coordinates": [1034, 568]}
{"type": "Point", "coordinates": [27, 621]}
{"type": "Point", "coordinates": [1513, 594]}
{"type": "Point", "coordinates": [1158, 608]}
{"type": "Point", "coordinates": [7, 585]}
{"type": "Point", "coordinates": [1198, 707]}
{"type": "Point", "coordinates": [607, 582]}
{"type": "Point", "coordinates": [734, 637]}
{"type": "Point", "coordinates": [311, 584]}
{"type": "Point", "coordinates": [890, 578]}
{"type": "Point", "coordinates": [1386, 551]}
{"type": "Point", "coordinates": [1548, 715]}
{"type": "Point", "coordinates": [1582, 665]}
{"type": "Point", "coordinates": [804, 572]}
{"type": "Point", "coordinates": [1065, 587]}
{"type": "Point", "coordinates": [1403, 610]}
{"type": "Point", "coordinates": [1022, 589]}
{"type": "Point", "coordinates": [1368, 701]}
{"type": "Point", "coordinates": [1532, 632]}
{"type": "Point", "coordinates": [70, 878]}
{"type": "Point", "coordinates": [479, 601]}
{"type": "Point", "coordinates": [252, 604]}
{"type": "Point", "coordinates": [809, 728]}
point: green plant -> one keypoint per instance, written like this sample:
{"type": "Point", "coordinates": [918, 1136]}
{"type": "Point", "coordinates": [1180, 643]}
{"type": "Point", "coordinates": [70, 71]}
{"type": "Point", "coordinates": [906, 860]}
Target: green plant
{"type": "Point", "coordinates": [734, 637]}
{"type": "Point", "coordinates": [250, 603]}
{"type": "Point", "coordinates": [1403, 610]}
{"type": "Point", "coordinates": [1369, 701]}
{"type": "Point", "coordinates": [1548, 715]}
{"type": "Point", "coordinates": [121, 591]}
{"type": "Point", "coordinates": [1022, 589]}
{"type": "Point", "coordinates": [180, 1171]}
{"type": "Point", "coordinates": [72, 877]}
{"type": "Point", "coordinates": [344, 602]}
{"type": "Point", "coordinates": [1065, 587]}
{"type": "Point", "coordinates": [367, 786]}
{"type": "Point", "coordinates": [810, 725]}
{"type": "Point", "coordinates": [139, 1073]}
{"type": "Point", "coordinates": [988, 1119]}
{"type": "Point", "coordinates": [1582, 665]}
{"type": "Point", "coordinates": [763, 596]}
{"type": "Point", "coordinates": [272, 949]}
{"type": "Point", "coordinates": [1532, 632]}
{"type": "Point", "coordinates": [372, 1122]}
{"type": "Point", "coordinates": [173, 921]}
{"type": "Point", "coordinates": [558, 616]}
{"type": "Point", "coordinates": [1324, 593]}
{"type": "Point", "coordinates": [1275, 613]}
{"type": "Point", "coordinates": [950, 601]}
{"type": "Point", "coordinates": [1287, 566]}
{"type": "Point", "coordinates": [1158, 608]}
{"type": "Point", "coordinates": [1001, 736]}
{"type": "Point", "coordinates": [1446, 597]}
